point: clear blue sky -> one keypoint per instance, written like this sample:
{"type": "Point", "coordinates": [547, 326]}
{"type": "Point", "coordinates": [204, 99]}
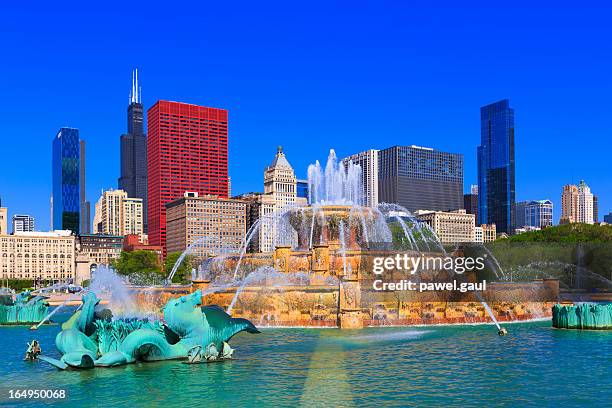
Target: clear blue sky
{"type": "Point", "coordinates": [351, 76]}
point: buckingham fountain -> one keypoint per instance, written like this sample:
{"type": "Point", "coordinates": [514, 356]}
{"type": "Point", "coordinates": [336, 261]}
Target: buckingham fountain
{"type": "Point", "coordinates": [320, 272]}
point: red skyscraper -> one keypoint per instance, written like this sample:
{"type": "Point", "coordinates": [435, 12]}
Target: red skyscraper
{"type": "Point", "coordinates": [187, 151]}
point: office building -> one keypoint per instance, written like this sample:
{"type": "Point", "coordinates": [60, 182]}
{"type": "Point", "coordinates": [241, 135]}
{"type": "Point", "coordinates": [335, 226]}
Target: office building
{"type": "Point", "coordinates": [470, 202]}
{"type": "Point", "coordinates": [519, 213]}
{"type": "Point", "coordinates": [280, 193]}
{"type": "Point", "coordinates": [118, 214]}
{"type": "Point", "coordinates": [496, 172]}
{"type": "Point", "coordinates": [489, 232]}
{"type": "Point", "coordinates": [260, 208]}
{"type": "Point", "coordinates": [608, 218]}
{"type": "Point", "coordinates": [595, 209]}
{"type": "Point", "coordinates": [66, 198]}
{"type": "Point", "coordinates": [101, 249]}
{"type": "Point", "coordinates": [133, 179]}
{"type": "Point", "coordinates": [420, 178]}
{"type": "Point", "coordinates": [133, 242]}
{"type": "Point", "coordinates": [538, 214]}
{"type": "Point", "coordinates": [187, 151]}
{"type": "Point", "coordinates": [31, 255]}
{"type": "Point", "coordinates": [452, 227]}
{"type": "Point", "coordinates": [209, 224]}
{"type": "Point", "coordinates": [368, 161]}
{"type": "Point", "coordinates": [22, 223]}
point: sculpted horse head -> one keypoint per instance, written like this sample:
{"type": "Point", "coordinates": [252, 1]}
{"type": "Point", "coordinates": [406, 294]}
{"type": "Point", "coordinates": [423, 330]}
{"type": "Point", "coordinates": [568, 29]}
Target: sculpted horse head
{"type": "Point", "coordinates": [183, 316]}
{"type": "Point", "coordinates": [90, 301]}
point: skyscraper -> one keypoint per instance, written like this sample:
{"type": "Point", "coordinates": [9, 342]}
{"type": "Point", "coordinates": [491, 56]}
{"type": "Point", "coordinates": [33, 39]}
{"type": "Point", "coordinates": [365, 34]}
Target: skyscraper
{"type": "Point", "coordinates": [133, 178]}
{"type": "Point", "coordinates": [496, 173]}
{"type": "Point", "coordinates": [470, 202]}
{"type": "Point", "coordinates": [66, 198]}
{"type": "Point", "coordinates": [577, 204]}
{"type": "Point", "coordinates": [595, 209]}
{"type": "Point", "coordinates": [569, 204]}
{"type": "Point", "coordinates": [187, 151]}
{"type": "Point", "coordinates": [368, 161]}
{"type": "Point", "coordinates": [420, 178]}
{"type": "Point", "coordinates": [585, 203]}
{"type": "Point", "coordinates": [85, 227]}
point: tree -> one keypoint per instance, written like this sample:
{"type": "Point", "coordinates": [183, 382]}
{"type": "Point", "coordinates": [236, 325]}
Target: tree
{"type": "Point", "coordinates": [183, 273]}
{"type": "Point", "coordinates": [137, 262]}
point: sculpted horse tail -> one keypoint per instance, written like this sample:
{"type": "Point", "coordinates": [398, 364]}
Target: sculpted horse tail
{"type": "Point", "coordinates": [223, 327]}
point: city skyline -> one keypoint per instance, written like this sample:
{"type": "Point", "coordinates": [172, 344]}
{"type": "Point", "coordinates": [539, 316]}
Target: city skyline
{"type": "Point", "coordinates": [554, 105]}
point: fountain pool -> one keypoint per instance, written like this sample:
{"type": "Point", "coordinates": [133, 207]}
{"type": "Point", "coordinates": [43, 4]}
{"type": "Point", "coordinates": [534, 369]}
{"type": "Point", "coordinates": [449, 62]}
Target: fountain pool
{"type": "Point", "coordinates": [395, 366]}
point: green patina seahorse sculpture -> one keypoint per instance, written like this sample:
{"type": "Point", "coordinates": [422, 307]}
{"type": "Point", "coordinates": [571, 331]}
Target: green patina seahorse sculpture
{"type": "Point", "coordinates": [188, 330]}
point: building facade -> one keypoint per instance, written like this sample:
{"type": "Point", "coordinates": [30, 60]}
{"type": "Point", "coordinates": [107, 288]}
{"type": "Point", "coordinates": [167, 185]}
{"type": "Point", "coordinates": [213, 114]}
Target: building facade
{"type": "Point", "coordinates": [301, 189]}
{"type": "Point", "coordinates": [22, 223]}
{"type": "Point", "coordinates": [519, 213]}
{"type": "Point", "coordinates": [119, 214]}
{"type": "Point", "coordinates": [585, 204]}
{"type": "Point", "coordinates": [420, 178]}
{"type": "Point", "coordinates": [470, 202]}
{"type": "Point", "coordinates": [31, 255]}
{"type": "Point", "coordinates": [577, 204]}
{"type": "Point", "coordinates": [101, 249]}
{"type": "Point", "coordinates": [368, 161]}
{"type": "Point", "coordinates": [538, 214]}
{"type": "Point", "coordinates": [496, 170]}
{"type": "Point", "coordinates": [260, 212]}
{"type": "Point", "coordinates": [489, 232]}
{"type": "Point", "coordinates": [608, 218]}
{"type": "Point", "coordinates": [133, 178]}
{"type": "Point", "coordinates": [187, 151]}
{"type": "Point", "coordinates": [595, 209]}
{"type": "Point", "coordinates": [66, 197]}
{"type": "Point", "coordinates": [209, 224]}
{"type": "Point", "coordinates": [451, 227]}
{"type": "Point", "coordinates": [569, 204]}
{"type": "Point", "coordinates": [3, 220]}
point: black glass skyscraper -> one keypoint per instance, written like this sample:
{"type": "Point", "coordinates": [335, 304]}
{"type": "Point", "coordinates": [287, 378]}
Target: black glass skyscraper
{"type": "Point", "coordinates": [496, 191]}
{"type": "Point", "coordinates": [66, 203]}
{"type": "Point", "coordinates": [133, 178]}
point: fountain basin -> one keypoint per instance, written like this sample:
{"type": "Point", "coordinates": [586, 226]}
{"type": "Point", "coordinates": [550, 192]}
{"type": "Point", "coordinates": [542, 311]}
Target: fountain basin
{"type": "Point", "coordinates": [585, 316]}
{"type": "Point", "coordinates": [330, 224]}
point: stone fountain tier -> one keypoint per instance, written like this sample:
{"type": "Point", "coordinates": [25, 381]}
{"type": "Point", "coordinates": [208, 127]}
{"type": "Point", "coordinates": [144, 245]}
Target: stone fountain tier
{"type": "Point", "coordinates": [325, 228]}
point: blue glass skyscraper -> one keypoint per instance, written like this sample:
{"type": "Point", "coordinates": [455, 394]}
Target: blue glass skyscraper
{"type": "Point", "coordinates": [496, 191]}
{"type": "Point", "coordinates": [66, 187]}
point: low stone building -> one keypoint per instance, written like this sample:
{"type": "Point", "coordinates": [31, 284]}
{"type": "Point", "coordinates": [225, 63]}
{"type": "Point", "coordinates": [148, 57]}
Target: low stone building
{"type": "Point", "coordinates": [43, 255]}
{"type": "Point", "coordinates": [451, 227]}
